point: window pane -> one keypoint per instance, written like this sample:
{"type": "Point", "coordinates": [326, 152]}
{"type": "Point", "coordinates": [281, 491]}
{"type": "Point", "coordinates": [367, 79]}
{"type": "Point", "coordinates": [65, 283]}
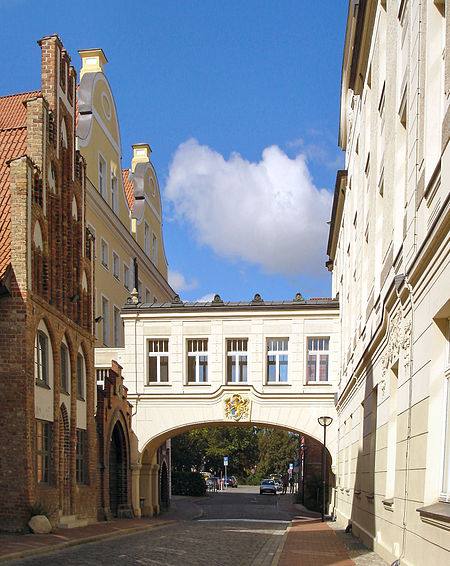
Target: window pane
{"type": "Point", "coordinates": [311, 373]}
{"type": "Point", "coordinates": [191, 368]}
{"type": "Point", "coordinates": [323, 373]}
{"type": "Point", "coordinates": [231, 369]}
{"type": "Point", "coordinates": [270, 345]}
{"type": "Point", "coordinates": [203, 369]}
{"type": "Point", "coordinates": [152, 369]}
{"type": "Point", "coordinates": [243, 368]}
{"type": "Point", "coordinates": [283, 368]}
{"type": "Point", "coordinates": [164, 369]}
{"type": "Point", "coordinates": [271, 367]}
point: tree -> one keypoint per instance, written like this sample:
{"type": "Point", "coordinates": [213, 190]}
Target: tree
{"type": "Point", "coordinates": [277, 449]}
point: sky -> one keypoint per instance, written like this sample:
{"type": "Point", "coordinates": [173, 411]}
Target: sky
{"type": "Point", "coordinates": [239, 101]}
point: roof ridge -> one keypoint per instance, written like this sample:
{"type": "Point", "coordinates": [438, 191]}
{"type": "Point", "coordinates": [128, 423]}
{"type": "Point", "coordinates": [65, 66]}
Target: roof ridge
{"type": "Point", "coordinates": [21, 93]}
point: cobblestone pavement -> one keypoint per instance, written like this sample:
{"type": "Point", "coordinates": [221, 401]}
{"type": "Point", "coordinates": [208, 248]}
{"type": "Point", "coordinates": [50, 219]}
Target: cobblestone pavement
{"type": "Point", "coordinates": [185, 543]}
{"type": "Point", "coordinates": [359, 553]}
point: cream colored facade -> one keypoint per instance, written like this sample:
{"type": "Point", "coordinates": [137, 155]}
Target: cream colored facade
{"type": "Point", "coordinates": [293, 400]}
{"type": "Point", "coordinates": [389, 254]}
{"type": "Point", "coordinates": [123, 208]}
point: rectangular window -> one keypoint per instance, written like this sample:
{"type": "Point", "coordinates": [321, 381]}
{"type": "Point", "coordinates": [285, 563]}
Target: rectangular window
{"type": "Point", "coordinates": [318, 353]}
{"type": "Point", "coordinates": [197, 361]}
{"type": "Point", "coordinates": [277, 360]}
{"type": "Point", "coordinates": [43, 451]}
{"type": "Point", "coordinates": [147, 239]}
{"type": "Point", "coordinates": [64, 369]}
{"type": "Point", "coordinates": [80, 377]}
{"type": "Point", "coordinates": [81, 456]}
{"type": "Point", "coordinates": [237, 360]}
{"type": "Point", "coordinates": [41, 357]}
{"type": "Point", "coordinates": [114, 193]}
{"type": "Point", "coordinates": [158, 361]}
{"type": "Point", "coordinates": [102, 176]}
{"type": "Point", "coordinates": [104, 254]}
{"type": "Point", "coordinates": [126, 277]}
{"type": "Point", "coordinates": [116, 266]}
{"type": "Point", "coordinates": [117, 328]}
{"type": "Point", "coordinates": [105, 321]}
{"type": "Point", "coordinates": [155, 249]}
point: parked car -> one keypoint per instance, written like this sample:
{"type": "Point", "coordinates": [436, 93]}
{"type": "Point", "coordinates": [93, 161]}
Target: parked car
{"type": "Point", "coordinates": [268, 486]}
{"type": "Point", "coordinates": [231, 481]}
{"type": "Point", "coordinates": [212, 483]}
{"type": "Point", "coordinates": [279, 485]}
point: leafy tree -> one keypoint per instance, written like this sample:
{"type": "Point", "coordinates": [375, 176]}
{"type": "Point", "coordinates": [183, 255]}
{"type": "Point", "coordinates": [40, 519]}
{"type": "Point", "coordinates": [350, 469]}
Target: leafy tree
{"type": "Point", "coordinates": [188, 451]}
{"type": "Point", "coordinates": [277, 449]}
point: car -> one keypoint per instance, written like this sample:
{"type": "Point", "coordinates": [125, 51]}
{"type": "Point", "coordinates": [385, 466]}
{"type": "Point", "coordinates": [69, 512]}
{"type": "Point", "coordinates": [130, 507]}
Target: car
{"type": "Point", "coordinates": [212, 483]}
{"type": "Point", "coordinates": [231, 481]}
{"type": "Point", "coordinates": [279, 485]}
{"type": "Point", "coordinates": [268, 486]}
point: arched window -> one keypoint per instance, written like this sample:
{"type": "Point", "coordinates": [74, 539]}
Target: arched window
{"type": "Point", "coordinates": [41, 358]}
{"type": "Point", "coordinates": [81, 376]}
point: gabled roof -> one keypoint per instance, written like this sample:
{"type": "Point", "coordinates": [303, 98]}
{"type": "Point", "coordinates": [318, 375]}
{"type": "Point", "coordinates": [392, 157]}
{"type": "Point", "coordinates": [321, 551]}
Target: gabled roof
{"type": "Point", "coordinates": [13, 143]}
{"type": "Point", "coordinates": [128, 187]}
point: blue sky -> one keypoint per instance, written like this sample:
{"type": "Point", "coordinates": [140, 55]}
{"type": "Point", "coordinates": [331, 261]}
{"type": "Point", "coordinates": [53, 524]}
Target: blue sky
{"type": "Point", "coordinates": [239, 102]}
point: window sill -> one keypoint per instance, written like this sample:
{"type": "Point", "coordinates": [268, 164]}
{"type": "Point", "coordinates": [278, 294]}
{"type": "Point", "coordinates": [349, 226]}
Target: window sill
{"type": "Point", "coordinates": [157, 384]}
{"type": "Point", "coordinates": [42, 383]}
{"type": "Point", "coordinates": [79, 398]}
{"type": "Point", "coordinates": [388, 504]}
{"type": "Point", "coordinates": [318, 383]}
{"type": "Point", "coordinates": [105, 266]}
{"type": "Point", "coordinates": [197, 384]}
{"type": "Point", "coordinates": [437, 514]}
{"type": "Point", "coordinates": [370, 497]}
{"type": "Point", "coordinates": [64, 392]}
{"type": "Point", "coordinates": [277, 383]}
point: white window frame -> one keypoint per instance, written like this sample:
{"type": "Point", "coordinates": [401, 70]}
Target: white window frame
{"type": "Point", "coordinates": [236, 353]}
{"type": "Point", "coordinates": [106, 329]}
{"type": "Point", "coordinates": [117, 327]}
{"type": "Point", "coordinates": [197, 348]}
{"type": "Point", "coordinates": [102, 176]}
{"type": "Point", "coordinates": [275, 348]}
{"type": "Point", "coordinates": [126, 276]}
{"type": "Point", "coordinates": [114, 192]}
{"type": "Point", "coordinates": [154, 249]}
{"type": "Point", "coordinates": [116, 265]}
{"type": "Point", "coordinates": [104, 253]}
{"type": "Point", "coordinates": [147, 239]}
{"type": "Point", "coordinates": [445, 465]}
{"type": "Point", "coordinates": [42, 357]}
{"type": "Point", "coordinates": [318, 352]}
{"type": "Point", "coordinates": [157, 348]}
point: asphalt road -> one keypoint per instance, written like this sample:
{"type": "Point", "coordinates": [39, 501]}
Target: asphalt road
{"type": "Point", "coordinates": [237, 527]}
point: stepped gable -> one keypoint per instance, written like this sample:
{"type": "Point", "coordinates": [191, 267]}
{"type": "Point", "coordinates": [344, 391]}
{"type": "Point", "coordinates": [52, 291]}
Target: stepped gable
{"type": "Point", "coordinates": [13, 136]}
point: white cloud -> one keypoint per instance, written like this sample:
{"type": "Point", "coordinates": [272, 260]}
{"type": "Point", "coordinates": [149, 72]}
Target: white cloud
{"type": "Point", "coordinates": [179, 283]}
{"type": "Point", "coordinates": [269, 213]}
{"type": "Point", "coordinates": [206, 298]}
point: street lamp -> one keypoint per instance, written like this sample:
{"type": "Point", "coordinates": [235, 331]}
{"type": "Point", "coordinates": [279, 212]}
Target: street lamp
{"type": "Point", "coordinates": [324, 421]}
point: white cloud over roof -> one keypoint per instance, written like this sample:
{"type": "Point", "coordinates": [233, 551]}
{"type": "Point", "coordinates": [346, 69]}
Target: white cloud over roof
{"type": "Point", "coordinates": [268, 213]}
{"type": "Point", "coordinates": [178, 282]}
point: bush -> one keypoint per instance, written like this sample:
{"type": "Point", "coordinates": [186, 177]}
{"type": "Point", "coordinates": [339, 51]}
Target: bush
{"type": "Point", "coordinates": [188, 483]}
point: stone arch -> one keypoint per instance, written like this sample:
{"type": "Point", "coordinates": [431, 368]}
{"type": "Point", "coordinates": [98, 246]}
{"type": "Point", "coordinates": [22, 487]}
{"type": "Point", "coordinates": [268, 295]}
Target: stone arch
{"type": "Point", "coordinates": [118, 463]}
{"type": "Point", "coordinates": [64, 461]}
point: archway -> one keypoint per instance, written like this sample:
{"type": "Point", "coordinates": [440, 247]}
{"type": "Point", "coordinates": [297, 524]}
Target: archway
{"type": "Point", "coordinates": [117, 470]}
{"type": "Point", "coordinates": [64, 461]}
{"type": "Point", "coordinates": [165, 496]}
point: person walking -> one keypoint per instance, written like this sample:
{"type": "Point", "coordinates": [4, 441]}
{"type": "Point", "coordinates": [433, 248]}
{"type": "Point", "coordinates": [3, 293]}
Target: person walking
{"type": "Point", "coordinates": [285, 481]}
{"type": "Point", "coordinates": [291, 484]}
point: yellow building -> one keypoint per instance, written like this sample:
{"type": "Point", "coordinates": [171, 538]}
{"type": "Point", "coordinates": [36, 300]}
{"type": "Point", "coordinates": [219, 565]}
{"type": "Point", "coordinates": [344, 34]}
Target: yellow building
{"type": "Point", "coordinates": [123, 207]}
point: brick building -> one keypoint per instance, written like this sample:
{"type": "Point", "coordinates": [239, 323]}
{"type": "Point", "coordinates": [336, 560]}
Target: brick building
{"type": "Point", "coordinates": [48, 456]}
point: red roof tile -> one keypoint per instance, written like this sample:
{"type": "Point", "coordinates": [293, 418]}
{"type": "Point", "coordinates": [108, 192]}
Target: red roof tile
{"type": "Point", "coordinates": [129, 189]}
{"type": "Point", "coordinates": [13, 138]}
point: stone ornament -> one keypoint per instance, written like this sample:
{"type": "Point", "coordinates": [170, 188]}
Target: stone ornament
{"type": "Point", "coordinates": [237, 408]}
{"type": "Point", "coordinates": [399, 340]}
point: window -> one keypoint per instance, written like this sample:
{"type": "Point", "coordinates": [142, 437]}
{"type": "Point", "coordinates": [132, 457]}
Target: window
{"type": "Point", "coordinates": [116, 266]}
{"type": "Point", "coordinates": [318, 352]}
{"type": "Point", "coordinates": [64, 369]}
{"type": "Point", "coordinates": [155, 249]}
{"type": "Point", "coordinates": [126, 276]}
{"type": "Point", "coordinates": [237, 360]}
{"type": "Point", "coordinates": [277, 360]}
{"type": "Point", "coordinates": [81, 456]}
{"type": "Point", "coordinates": [102, 176]}
{"type": "Point", "coordinates": [43, 451]}
{"type": "Point", "coordinates": [197, 361]}
{"type": "Point", "coordinates": [105, 321]}
{"type": "Point", "coordinates": [117, 327]}
{"type": "Point", "coordinates": [445, 484]}
{"type": "Point", "coordinates": [80, 376]}
{"type": "Point", "coordinates": [158, 361]}
{"type": "Point", "coordinates": [148, 296]}
{"type": "Point", "coordinates": [104, 254]}
{"type": "Point", "coordinates": [147, 239]}
{"type": "Point", "coordinates": [114, 193]}
{"type": "Point", "coordinates": [41, 357]}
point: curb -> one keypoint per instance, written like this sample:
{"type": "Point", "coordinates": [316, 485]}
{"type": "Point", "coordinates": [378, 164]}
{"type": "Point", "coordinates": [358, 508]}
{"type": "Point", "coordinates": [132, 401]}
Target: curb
{"type": "Point", "coordinates": [278, 553]}
{"type": "Point", "coordinates": [83, 540]}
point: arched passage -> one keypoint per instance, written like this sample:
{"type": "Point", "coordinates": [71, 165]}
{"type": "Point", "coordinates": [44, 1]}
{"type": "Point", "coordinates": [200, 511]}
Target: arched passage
{"type": "Point", "coordinates": [118, 466]}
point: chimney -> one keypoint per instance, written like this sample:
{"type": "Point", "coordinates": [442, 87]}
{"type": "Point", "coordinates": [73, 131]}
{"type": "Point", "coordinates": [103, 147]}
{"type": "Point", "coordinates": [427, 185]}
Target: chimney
{"type": "Point", "coordinates": [141, 154]}
{"type": "Point", "coordinates": [92, 61]}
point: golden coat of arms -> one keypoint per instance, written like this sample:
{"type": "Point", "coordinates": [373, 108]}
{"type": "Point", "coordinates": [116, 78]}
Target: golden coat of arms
{"type": "Point", "coordinates": [237, 407]}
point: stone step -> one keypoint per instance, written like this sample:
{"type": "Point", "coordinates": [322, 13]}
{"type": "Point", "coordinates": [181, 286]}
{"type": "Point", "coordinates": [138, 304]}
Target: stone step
{"type": "Point", "coordinates": [71, 521]}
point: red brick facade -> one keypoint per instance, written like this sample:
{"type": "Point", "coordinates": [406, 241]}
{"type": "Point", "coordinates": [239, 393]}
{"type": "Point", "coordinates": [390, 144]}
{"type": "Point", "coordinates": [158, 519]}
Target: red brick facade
{"type": "Point", "coordinates": [46, 281]}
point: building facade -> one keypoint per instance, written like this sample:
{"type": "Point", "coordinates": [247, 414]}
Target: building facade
{"type": "Point", "coordinates": [389, 257]}
{"type": "Point", "coordinates": [190, 365]}
{"type": "Point", "coordinates": [48, 458]}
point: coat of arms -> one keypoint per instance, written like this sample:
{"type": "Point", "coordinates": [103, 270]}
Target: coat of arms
{"type": "Point", "coordinates": [237, 408]}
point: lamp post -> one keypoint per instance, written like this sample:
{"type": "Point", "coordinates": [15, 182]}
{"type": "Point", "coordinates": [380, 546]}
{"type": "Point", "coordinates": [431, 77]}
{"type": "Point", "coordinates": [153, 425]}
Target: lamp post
{"type": "Point", "coordinates": [324, 421]}
{"type": "Point", "coordinates": [302, 468]}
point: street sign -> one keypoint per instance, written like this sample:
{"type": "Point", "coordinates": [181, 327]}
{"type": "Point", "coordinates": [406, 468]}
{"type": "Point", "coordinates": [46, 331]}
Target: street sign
{"type": "Point", "coordinates": [225, 460]}
{"type": "Point", "coordinates": [291, 466]}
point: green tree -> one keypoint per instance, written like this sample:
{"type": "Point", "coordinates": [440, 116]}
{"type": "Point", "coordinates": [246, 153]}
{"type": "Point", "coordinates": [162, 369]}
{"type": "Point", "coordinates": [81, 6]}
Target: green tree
{"type": "Point", "coordinates": [188, 451]}
{"type": "Point", "coordinates": [277, 449]}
